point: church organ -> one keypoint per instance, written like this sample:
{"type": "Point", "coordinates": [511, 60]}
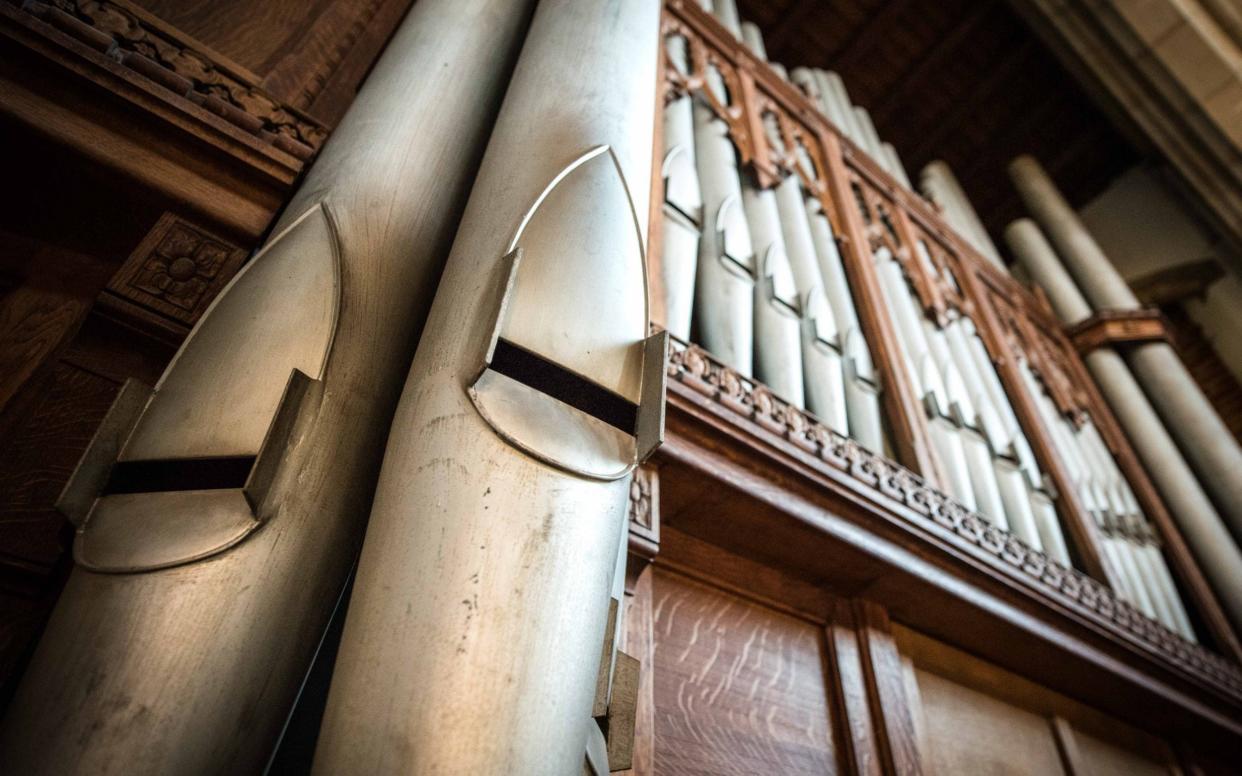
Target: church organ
{"type": "Point", "coordinates": [723, 448]}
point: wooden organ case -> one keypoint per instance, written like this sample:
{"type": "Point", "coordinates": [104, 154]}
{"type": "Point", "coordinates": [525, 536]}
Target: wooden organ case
{"type": "Point", "coordinates": [804, 604]}
{"type": "Point", "coordinates": [807, 591]}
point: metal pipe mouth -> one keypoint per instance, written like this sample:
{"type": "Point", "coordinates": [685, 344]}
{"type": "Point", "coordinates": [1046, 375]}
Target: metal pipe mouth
{"type": "Point", "coordinates": [179, 475]}
{"type": "Point", "coordinates": [548, 377]}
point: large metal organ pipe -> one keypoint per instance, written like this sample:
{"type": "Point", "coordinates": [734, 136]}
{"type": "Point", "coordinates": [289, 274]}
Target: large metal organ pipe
{"type": "Point", "coordinates": [455, 657]}
{"type": "Point", "coordinates": [1189, 504]}
{"type": "Point", "coordinates": [186, 629]}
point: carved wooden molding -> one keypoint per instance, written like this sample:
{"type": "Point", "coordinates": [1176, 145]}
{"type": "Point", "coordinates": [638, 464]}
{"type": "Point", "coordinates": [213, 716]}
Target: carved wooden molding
{"type": "Point", "coordinates": [172, 276]}
{"type": "Point", "coordinates": [645, 512]}
{"type": "Point", "coordinates": [130, 37]}
{"type": "Point", "coordinates": [1115, 327]}
{"type": "Point", "coordinates": [751, 405]}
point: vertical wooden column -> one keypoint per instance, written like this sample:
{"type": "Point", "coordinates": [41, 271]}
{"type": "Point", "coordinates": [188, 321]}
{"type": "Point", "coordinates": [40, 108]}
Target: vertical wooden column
{"type": "Point", "coordinates": [874, 712]}
{"type": "Point", "coordinates": [859, 744]}
{"type": "Point", "coordinates": [907, 424]}
{"type": "Point", "coordinates": [890, 706]}
{"type": "Point", "coordinates": [1081, 526]}
{"type": "Point", "coordinates": [638, 638]}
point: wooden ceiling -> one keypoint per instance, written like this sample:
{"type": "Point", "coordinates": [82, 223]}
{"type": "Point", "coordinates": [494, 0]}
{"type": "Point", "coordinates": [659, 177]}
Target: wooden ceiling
{"type": "Point", "coordinates": [965, 81]}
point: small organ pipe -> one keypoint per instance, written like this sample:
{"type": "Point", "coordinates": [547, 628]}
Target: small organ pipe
{"type": "Point", "coordinates": [683, 203]}
{"type": "Point", "coordinates": [778, 335]}
{"type": "Point", "coordinates": [941, 186]}
{"type": "Point", "coordinates": [726, 13]}
{"type": "Point", "coordinates": [859, 375]}
{"type": "Point", "coordinates": [895, 165]}
{"type": "Point", "coordinates": [753, 39]}
{"type": "Point", "coordinates": [725, 281]}
{"type": "Point", "coordinates": [821, 354]}
{"type": "Point", "coordinates": [871, 139]}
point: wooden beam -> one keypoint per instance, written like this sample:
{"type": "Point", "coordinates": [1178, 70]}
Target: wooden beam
{"type": "Point", "coordinates": [907, 85]}
{"type": "Point", "coordinates": [886, 690]}
{"type": "Point", "coordinates": [879, 25]}
{"type": "Point", "coordinates": [1112, 327]}
{"type": "Point", "coordinates": [962, 111]}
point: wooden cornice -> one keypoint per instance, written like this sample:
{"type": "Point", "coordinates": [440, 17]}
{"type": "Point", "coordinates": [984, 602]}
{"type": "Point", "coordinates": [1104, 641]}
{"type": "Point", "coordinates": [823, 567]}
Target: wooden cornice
{"type": "Point", "coordinates": [1117, 327]}
{"type": "Point", "coordinates": [108, 81]}
{"type": "Point", "coordinates": [145, 46]}
{"type": "Point", "coordinates": [729, 427]}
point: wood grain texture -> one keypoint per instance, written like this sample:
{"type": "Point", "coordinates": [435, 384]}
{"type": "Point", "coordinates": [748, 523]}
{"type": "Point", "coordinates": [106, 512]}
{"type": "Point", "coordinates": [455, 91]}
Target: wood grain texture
{"type": "Point", "coordinates": [1106, 758]}
{"type": "Point", "coordinates": [886, 688]}
{"type": "Point", "coordinates": [1088, 740]}
{"type": "Point", "coordinates": [728, 482]}
{"type": "Point", "coordinates": [739, 688]}
{"type": "Point", "coordinates": [860, 744]}
{"type": "Point", "coordinates": [970, 732]}
{"type": "Point", "coordinates": [638, 640]}
{"type": "Point", "coordinates": [35, 321]}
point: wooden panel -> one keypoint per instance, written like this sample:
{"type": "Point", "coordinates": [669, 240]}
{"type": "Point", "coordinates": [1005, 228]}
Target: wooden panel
{"type": "Point", "coordinates": [970, 732]}
{"type": "Point", "coordinates": [1086, 740]}
{"type": "Point", "coordinates": [739, 688]}
{"type": "Point", "coordinates": [1104, 758]}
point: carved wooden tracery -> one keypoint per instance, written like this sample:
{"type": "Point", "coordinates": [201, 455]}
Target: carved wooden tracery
{"type": "Point", "coordinates": [767, 120]}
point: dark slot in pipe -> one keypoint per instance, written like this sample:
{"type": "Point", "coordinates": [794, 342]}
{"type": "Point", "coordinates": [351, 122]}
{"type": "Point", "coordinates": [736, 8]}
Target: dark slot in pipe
{"type": "Point", "coordinates": [186, 474]}
{"type": "Point", "coordinates": [535, 371]}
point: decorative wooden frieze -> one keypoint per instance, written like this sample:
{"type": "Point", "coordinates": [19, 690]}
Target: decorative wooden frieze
{"type": "Point", "coordinates": [754, 408]}
{"type": "Point", "coordinates": [1116, 327]}
{"type": "Point", "coordinates": [1030, 334]}
{"type": "Point", "coordinates": [645, 511]}
{"type": "Point", "coordinates": [133, 38]}
{"type": "Point", "coordinates": [176, 270]}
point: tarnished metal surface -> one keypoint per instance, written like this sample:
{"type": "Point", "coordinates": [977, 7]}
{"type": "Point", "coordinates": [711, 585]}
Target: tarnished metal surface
{"type": "Point", "coordinates": [193, 669]}
{"type": "Point", "coordinates": [219, 394]}
{"type": "Point", "coordinates": [475, 628]}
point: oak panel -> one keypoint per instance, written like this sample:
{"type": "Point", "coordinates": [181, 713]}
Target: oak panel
{"type": "Point", "coordinates": [970, 732]}
{"type": "Point", "coordinates": [739, 688]}
{"type": "Point", "coordinates": [1104, 758]}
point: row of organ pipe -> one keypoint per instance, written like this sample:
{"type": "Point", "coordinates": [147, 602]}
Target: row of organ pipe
{"type": "Point", "coordinates": [756, 275]}
{"type": "Point", "coordinates": [1132, 556]}
{"type": "Point", "coordinates": [988, 463]}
